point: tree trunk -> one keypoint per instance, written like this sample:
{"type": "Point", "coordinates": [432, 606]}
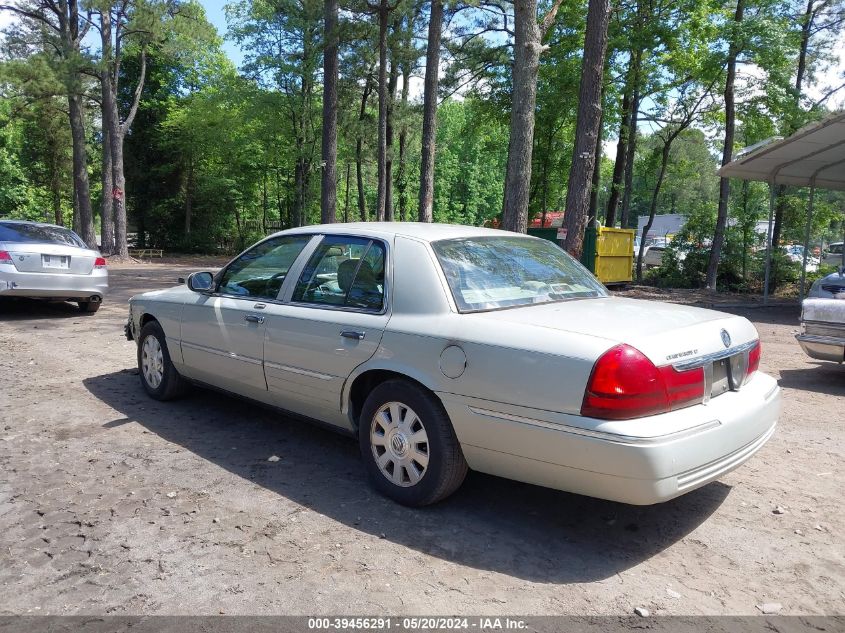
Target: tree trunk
{"type": "Point", "coordinates": [631, 150]}
{"type": "Point", "coordinates": [381, 195]}
{"type": "Point", "coordinates": [346, 197]}
{"type": "Point", "coordinates": [120, 237]}
{"type": "Point", "coordinates": [279, 204]}
{"type": "Point", "coordinates": [117, 134]}
{"type": "Point", "coordinates": [106, 208]}
{"type": "Point", "coordinates": [402, 176]}
{"type": "Point", "coordinates": [56, 191]}
{"type": "Point", "coordinates": [84, 214]}
{"type": "Point", "coordinates": [429, 130]}
{"type": "Point", "coordinates": [189, 194]}
{"type": "Point", "coordinates": [621, 151]}
{"type": "Point", "coordinates": [83, 217]}
{"type": "Point", "coordinates": [526, 62]}
{"type": "Point", "coordinates": [299, 193]}
{"type": "Point", "coordinates": [264, 203]}
{"type": "Point", "coordinates": [664, 160]}
{"type": "Point", "coordinates": [587, 128]}
{"type": "Point", "coordinates": [388, 163]}
{"type": "Point", "coordinates": [359, 151]}
{"type": "Point", "coordinates": [727, 151]}
{"type": "Point", "coordinates": [596, 179]}
{"type": "Point", "coordinates": [107, 108]}
{"type": "Point", "coordinates": [328, 191]}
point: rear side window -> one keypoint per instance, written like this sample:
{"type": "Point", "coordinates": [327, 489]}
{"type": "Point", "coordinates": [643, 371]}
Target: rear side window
{"type": "Point", "coordinates": [344, 272]}
{"type": "Point", "coordinates": [39, 234]}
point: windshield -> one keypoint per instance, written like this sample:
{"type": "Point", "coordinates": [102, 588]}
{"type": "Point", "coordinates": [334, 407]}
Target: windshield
{"type": "Point", "coordinates": [39, 234]}
{"type": "Point", "coordinates": [485, 273]}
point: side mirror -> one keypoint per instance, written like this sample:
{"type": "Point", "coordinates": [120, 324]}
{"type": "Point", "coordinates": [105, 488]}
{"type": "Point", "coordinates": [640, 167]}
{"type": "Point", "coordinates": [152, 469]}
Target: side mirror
{"type": "Point", "coordinates": [200, 282]}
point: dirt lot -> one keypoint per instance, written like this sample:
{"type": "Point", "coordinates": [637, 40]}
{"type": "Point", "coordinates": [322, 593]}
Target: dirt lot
{"type": "Point", "coordinates": [113, 503]}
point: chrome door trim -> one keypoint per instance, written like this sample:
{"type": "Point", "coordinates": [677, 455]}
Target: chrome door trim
{"type": "Point", "coordinates": [220, 352]}
{"type": "Point", "coordinates": [297, 370]}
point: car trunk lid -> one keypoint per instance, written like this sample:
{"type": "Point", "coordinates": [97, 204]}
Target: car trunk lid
{"type": "Point", "coordinates": [666, 333]}
{"type": "Point", "coordinates": [50, 258]}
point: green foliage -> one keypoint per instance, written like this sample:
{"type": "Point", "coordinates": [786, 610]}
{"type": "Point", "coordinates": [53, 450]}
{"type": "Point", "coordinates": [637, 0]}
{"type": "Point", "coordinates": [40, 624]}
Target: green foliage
{"type": "Point", "coordinates": [469, 166]}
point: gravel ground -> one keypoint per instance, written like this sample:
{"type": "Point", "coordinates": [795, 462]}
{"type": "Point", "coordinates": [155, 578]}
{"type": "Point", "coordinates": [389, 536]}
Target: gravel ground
{"type": "Point", "coordinates": [111, 503]}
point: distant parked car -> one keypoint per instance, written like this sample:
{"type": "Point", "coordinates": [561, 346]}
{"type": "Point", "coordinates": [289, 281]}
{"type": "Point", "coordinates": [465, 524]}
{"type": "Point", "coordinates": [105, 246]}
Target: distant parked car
{"type": "Point", "coordinates": [443, 348]}
{"type": "Point", "coordinates": [833, 255]}
{"type": "Point", "coordinates": [45, 261]}
{"type": "Point", "coordinates": [653, 255]}
{"type": "Point", "coordinates": [795, 254]}
{"type": "Point", "coordinates": [823, 319]}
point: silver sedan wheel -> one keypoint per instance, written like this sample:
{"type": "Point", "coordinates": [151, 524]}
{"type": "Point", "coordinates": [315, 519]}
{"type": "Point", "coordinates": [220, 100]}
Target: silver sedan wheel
{"type": "Point", "coordinates": [152, 361]}
{"type": "Point", "coordinates": [399, 443]}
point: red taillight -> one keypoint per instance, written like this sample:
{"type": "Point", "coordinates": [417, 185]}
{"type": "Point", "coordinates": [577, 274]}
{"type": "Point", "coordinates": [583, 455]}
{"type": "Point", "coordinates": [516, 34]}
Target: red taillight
{"type": "Point", "coordinates": [100, 262]}
{"type": "Point", "coordinates": [5, 258]}
{"type": "Point", "coordinates": [753, 360]}
{"type": "Point", "coordinates": [625, 384]}
{"type": "Point", "coordinates": [683, 387]}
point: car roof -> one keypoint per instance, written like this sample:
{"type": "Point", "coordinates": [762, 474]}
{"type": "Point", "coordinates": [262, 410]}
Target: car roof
{"type": "Point", "coordinates": [425, 231]}
{"type": "Point", "coordinates": [31, 223]}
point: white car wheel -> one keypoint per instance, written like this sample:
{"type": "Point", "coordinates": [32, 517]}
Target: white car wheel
{"type": "Point", "coordinates": [158, 375]}
{"type": "Point", "coordinates": [409, 447]}
{"type": "Point", "coordinates": [399, 444]}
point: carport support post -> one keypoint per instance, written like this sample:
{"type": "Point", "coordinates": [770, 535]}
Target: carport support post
{"type": "Point", "coordinates": [807, 239]}
{"type": "Point", "coordinates": [769, 242]}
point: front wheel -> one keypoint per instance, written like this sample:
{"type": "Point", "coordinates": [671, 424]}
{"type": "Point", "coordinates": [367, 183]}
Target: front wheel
{"type": "Point", "coordinates": [410, 450]}
{"type": "Point", "coordinates": [158, 375]}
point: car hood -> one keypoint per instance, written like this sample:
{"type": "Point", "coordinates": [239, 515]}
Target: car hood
{"type": "Point", "coordinates": [665, 332]}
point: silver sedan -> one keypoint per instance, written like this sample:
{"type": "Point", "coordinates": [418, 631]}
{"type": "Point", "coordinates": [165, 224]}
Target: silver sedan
{"type": "Point", "coordinates": [443, 348]}
{"type": "Point", "coordinates": [45, 261]}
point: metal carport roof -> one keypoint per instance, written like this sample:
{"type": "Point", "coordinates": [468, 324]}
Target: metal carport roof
{"type": "Point", "coordinates": [816, 151]}
{"type": "Point", "coordinates": [813, 157]}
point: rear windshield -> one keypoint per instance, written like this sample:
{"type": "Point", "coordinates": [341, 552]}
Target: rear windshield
{"type": "Point", "coordinates": [486, 273]}
{"type": "Point", "coordinates": [39, 234]}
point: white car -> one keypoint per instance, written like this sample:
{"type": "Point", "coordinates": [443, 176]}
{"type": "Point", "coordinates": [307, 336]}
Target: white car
{"type": "Point", "coordinates": [443, 348]}
{"type": "Point", "coordinates": [653, 255]}
{"type": "Point", "coordinates": [45, 261]}
{"type": "Point", "coordinates": [823, 319]}
{"type": "Point", "coordinates": [795, 254]}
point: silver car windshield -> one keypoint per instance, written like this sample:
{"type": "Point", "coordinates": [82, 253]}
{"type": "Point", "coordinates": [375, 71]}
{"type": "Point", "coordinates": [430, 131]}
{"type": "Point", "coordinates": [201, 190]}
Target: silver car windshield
{"type": "Point", "coordinates": [487, 273]}
{"type": "Point", "coordinates": [39, 234]}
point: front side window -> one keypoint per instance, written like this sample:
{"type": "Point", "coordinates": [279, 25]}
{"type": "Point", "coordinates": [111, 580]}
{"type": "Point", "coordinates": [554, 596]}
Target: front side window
{"type": "Point", "coordinates": [345, 272]}
{"type": "Point", "coordinates": [486, 273]}
{"type": "Point", "coordinates": [260, 272]}
{"type": "Point", "coordinates": [39, 234]}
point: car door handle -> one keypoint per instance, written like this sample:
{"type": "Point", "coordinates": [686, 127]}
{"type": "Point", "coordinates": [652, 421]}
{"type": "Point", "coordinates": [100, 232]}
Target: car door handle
{"type": "Point", "coordinates": [358, 336]}
{"type": "Point", "coordinates": [254, 318]}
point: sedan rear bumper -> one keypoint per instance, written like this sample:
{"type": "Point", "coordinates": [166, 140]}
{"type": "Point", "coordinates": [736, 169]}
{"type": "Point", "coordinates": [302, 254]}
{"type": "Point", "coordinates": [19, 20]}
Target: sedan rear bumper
{"type": "Point", "coordinates": [823, 347]}
{"type": "Point", "coordinates": [569, 453]}
{"type": "Point", "coordinates": [53, 286]}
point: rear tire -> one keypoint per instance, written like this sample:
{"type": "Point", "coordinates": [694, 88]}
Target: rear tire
{"type": "Point", "coordinates": [410, 450]}
{"type": "Point", "coordinates": [89, 307]}
{"type": "Point", "coordinates": [159, 377]}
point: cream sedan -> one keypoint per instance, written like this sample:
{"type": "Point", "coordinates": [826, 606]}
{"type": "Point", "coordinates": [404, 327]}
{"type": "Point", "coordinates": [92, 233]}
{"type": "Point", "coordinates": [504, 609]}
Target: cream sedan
{"type": "Point", "coordinates": [443, 348]}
